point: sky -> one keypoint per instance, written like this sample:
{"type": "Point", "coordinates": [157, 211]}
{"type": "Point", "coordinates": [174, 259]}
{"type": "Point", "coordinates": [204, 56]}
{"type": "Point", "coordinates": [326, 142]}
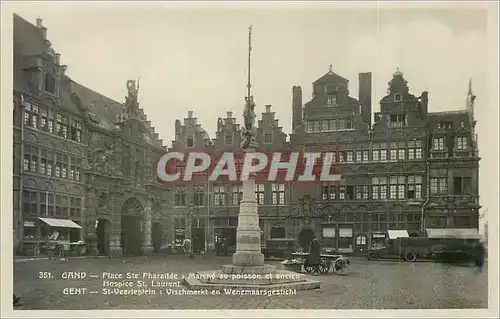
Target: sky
{"type": "Point", "coordinates": [194, 57]}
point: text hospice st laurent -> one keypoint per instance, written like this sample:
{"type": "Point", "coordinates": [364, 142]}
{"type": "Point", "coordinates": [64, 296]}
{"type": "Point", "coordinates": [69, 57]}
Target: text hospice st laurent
{"type": "Point", "coordinates": [311, 165]}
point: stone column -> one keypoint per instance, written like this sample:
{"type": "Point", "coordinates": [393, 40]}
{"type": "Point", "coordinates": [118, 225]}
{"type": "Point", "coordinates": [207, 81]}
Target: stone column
{"type": "Point", "coordinates": [147, 247]}
{"type": "Point", "coordinates": [115, 237]}
{"type": "Point", "coordinates": [248, 250]}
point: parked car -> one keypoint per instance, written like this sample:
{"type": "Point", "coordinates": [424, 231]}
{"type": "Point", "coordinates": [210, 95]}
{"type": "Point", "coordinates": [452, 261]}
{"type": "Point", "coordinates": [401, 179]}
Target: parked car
{"type": "Point", "coordinates": [407, 248]}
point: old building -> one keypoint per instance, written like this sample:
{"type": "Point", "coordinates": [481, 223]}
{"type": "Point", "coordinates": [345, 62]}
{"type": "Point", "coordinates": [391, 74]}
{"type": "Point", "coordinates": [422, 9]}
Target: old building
{"type": "Point", "coordinates": [83, 163]}
{"type": "Point", "coordinates": [410, 169]}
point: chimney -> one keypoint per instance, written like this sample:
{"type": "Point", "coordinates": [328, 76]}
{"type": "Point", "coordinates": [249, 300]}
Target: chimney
{"type": "Point", "coordinates": [268, 108]}
{"type": "Point", "coordinates": [365, 97]}
{"type": "Point", "coordinates": [64, 68]}
{"type": "Point", "coordinates": [296, 106]}
{"type": "Point", "coordinates": [190, 114]}
{"type": "Point", "coordinates": [229, 115]}
{"type": "Point", "coordinates": [424, 104]}
{"type": "Point", "coordinates": [58, 58]}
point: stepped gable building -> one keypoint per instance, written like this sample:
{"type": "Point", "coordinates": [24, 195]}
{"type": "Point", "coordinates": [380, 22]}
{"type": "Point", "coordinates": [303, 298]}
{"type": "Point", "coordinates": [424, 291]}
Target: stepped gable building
{"type": "Point", "coordinates": [83, 163]}
{"type": "Point", "coordinates": [408, 169]}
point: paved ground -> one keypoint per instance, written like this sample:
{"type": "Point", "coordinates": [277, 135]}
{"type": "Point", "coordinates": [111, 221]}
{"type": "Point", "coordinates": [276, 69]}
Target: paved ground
{"type": "Point", "coordinates": [369, 285]}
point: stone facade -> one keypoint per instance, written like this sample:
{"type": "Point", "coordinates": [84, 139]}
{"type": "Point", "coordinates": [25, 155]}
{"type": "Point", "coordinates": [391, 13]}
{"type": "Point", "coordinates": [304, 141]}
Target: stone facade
{"type": "Point", "coordinates": [80, 156]}
{"type": "Point", "coordinates": [410, 169]}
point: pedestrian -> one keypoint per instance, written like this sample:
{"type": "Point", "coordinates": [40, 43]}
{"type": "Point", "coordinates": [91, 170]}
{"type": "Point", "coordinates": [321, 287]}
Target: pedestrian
{"type": "Point", "coordinates": [217, 245]}
{"type": "Point", "coordinates": [479, 255]}
{"type": "Point", "coordinates": [314, 258]}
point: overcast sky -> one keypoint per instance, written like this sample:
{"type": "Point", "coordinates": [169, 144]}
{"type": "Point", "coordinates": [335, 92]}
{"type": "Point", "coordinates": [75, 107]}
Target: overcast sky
{"type": "Point", "coordinates": [195, 58]}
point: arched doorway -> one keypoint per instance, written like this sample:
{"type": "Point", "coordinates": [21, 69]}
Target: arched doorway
{"type": "Point", "coordinates": [278, 232]}
{"type": "Point", "coordinates": [305, 238]}
{"type": "Point", "coordinates": [103, 230]}
{"type": "Point", "coordinates": [156, 236]}
{"type": "Point", "coordinates": [132, 227]}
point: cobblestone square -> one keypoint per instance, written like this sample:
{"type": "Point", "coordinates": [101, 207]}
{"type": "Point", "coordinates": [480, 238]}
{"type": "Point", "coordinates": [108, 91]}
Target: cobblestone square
{"type": "Point", "coordinates": [368, 285]}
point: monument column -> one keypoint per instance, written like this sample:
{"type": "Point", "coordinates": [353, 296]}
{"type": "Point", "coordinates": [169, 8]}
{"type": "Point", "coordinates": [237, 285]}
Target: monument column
{"type": "Point", "coordinates": [147, 247]}
{"type": "Point", "coordinates": [248, 250]}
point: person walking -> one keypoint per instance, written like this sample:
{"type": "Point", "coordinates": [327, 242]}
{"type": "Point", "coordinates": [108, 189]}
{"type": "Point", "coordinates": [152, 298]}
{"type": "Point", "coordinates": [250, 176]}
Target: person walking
{"type": "Point", "coordinates": [314, 258]}
{"type": "Point", "coordinates": [225, 246]}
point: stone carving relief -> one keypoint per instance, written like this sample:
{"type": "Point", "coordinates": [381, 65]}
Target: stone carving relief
{"type": "Point", "coordinates": [131, 102]}
{"type": "Point", "coordinates": [106, 160]}
{"type": "Point", "coordinates": [249, 130]}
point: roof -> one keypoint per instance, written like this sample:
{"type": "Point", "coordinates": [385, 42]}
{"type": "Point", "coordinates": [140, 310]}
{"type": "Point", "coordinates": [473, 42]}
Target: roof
{"type": "Point", "coordinates": [331, 77]}
{"type": "Point", "coordinates": [393, 234]}
{"type": "Point", "coordinates": [459, 233]}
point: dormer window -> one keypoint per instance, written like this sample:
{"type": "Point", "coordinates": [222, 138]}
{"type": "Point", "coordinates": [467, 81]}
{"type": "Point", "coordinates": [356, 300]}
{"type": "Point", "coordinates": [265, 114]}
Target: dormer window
{"type": "Point", "coordinates": [189, 142]}
{"type": "Point", "coordinates": [438, 143]}
{"type": "Point", "coordinates": [50, 83]}
{"type": "Point", "coordinates": [398, 97]}
{"type": "Point", "coordinates": [331, 100]}
{"type": "Point", "coordinates": [462, 142]}
{"type": "Point", "coordinates": [268, 138]}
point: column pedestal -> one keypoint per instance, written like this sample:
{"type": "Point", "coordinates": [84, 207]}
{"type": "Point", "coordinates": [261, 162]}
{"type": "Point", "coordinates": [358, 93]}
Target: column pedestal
{"type": "Point", "coordinates": [115, 247]}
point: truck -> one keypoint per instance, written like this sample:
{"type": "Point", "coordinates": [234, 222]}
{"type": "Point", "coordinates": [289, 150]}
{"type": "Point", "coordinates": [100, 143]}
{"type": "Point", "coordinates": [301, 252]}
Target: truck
{"type": "Point", "coordinates": [451, 245]}
{"type": "Point", "coordinates": [398, 245]}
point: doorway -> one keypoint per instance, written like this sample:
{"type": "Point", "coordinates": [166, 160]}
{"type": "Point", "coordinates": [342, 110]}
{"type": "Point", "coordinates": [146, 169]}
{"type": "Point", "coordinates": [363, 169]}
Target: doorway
{"type": "Point", "coordinates": [198, 238]}
{"type": "Point", "coordinates": [131, 235]}
{"type": "Point", "coordinates": [103, 231]}
{"type": "Point", "coordinates": [305, 238]}
{"type": "Point", "coordinates": [156, 236]}
{"type": "Point", "coordinates": [361, 243]}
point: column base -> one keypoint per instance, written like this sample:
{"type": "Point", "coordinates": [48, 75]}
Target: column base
{"type": "Point", "coordinates": [248, 258]}
{"type": "Point", "coordinates": [115, 251]}
{"type": "Point", "coordinates": [147, 250]}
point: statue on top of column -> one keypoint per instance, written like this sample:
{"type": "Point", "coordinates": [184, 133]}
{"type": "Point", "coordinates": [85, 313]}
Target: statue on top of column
{"type": "Point", "coordinates": [249, 130]}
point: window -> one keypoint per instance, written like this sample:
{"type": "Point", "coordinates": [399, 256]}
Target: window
{"type": "Point", "coordinates": [199, 196]}
{"type": "Point", "coordinates": [189, 142]}
{"type": "Point", "coordinates": [180, 197]}
{"type": "Point", "coordinates": [237, 194]}
{"type": "Point", "coordinates": [278, 193]}
{"type": "Point", "coordinates": [342, 156]}
{"type": "Point", "coordinates": [341, 124]}
{"type": "Point", "coordinates": [332, 125]}
{"type": "Point", "coordinates": [366, 156]}
{"type": "Point", "coordinates": [331, 100]}
{"type": "Point", "coordinates": [401, 154]}
{"type": "Point", "coordinates": [34, 162]}
{"type": "Point", "coordinates": [325, 125]}
{"type": "Point", "coordinates": [393, 154]}
{"type": "Point", "coordinates": [43, 164]}
{"type": "Point", "coordinates": [309, 126]}
{"type": "Point", "coordinates": [50, 123]}
{"type": "Point", "coordinates": [219, 195]}
{"type": "Point", "coordinates": [228, 139]}
{"type": "Point", "coordinates": [414, 150]}
{"type": "Point", "coordinates": [462, 186]}
{"type": "Point", "coordinates": [316, 126]}
{"type": "Point", "coordinates": [398, 97]}
{"type": "Point", "coordinates": [43, 119]}
{"type": "Point", "coordinates": [26, 162]}
{"type": "Point", "coordinates": [350, 192]}
{"type": "Point", "coordinates": [462, 142]}
{"type": "Point", "coordinates": [349, 123]}
{"type": "Point", "coordinates": [34, 116]}
{"type": "Point", "coordinates": [259, 194]}
{"type": "Point", "coordinates": [329, 192]}
{"type": "Point", "coordinates": [439, 185]}
{"type": "Point", "coordinates": [414, 190]}
{"type": "Point", "coordinates": [30, 205]}
{"type": "Point", "coordinates": [349, 156]}
{"type": "Point", "coordinates": [72, 172]}
{"type": "Point", "coordinates": [75, 206]}
{"type": "Point", "coordinates": [62, 207]}
{"type": "Point", "coordinates": [49, 168]}
{"type": "Point", "coordinates": [76, 131]}
{"type": "Point", "coordinates": [342, 191]}
{"type": "Point", "coordinates": [397, 120]}
{"type": "Point", "coordinates": [359, 156]}
{"type": "Point", "coordinates": [438, 143]}
{"type": "Point", "coordinates": [360, 240]}
{"type": "Point", "coordinates": [268, 138]}
{"type": "Point", "coordinates": [379, 188]}
{"type": "Point", "coordinates": [50, 83]}
{"type": "Point", "coordinates": [362, 192]}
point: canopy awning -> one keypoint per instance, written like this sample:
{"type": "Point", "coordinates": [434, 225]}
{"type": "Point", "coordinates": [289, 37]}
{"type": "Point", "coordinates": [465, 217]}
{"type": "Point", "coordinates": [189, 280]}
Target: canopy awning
{"type": "Point", "coordinates": [459, 233]}
{"type": "Point", "coordinates": [393, 234]}
{"type": "Point", "coordinates": [65, 223]}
